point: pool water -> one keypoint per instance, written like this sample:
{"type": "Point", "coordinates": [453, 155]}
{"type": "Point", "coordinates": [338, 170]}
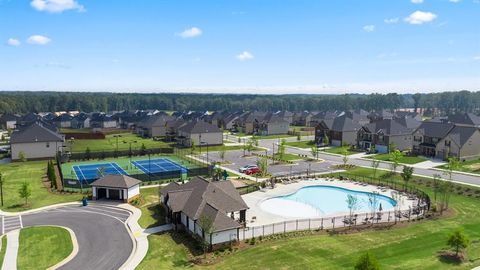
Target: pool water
{"type": "Point", "coordinates": [318, 201]}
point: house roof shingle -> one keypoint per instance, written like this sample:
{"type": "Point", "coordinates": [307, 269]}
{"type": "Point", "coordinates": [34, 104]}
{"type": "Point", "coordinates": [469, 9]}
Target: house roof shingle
{"type": "Point", "coordinates": [35, 133]}
{"type": "Point", "coordinates": [116, 181]}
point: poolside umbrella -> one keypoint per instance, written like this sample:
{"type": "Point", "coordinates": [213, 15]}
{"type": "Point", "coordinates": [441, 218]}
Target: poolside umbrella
{"type": "Point", "coordinates": [380, 208]}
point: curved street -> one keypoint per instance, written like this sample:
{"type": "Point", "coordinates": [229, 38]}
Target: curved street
{"type": "Point", "coordinates": [104, 241]}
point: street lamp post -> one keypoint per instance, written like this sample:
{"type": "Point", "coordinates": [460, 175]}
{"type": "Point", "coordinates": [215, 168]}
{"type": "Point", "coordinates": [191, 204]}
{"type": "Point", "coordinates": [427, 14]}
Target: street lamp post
{"type": "Point", "coordinates": [149, 171]}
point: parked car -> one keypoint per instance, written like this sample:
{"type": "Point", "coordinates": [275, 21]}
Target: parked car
{"type": "Point", "coordinates": [249, 169]}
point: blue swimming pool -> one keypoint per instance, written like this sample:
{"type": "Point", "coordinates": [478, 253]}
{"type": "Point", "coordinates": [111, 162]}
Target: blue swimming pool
{"type": "Point", "coordinates": [319, 200]}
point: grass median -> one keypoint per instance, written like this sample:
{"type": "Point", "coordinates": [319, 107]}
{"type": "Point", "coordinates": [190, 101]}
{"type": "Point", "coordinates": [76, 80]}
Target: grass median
{"type": "Point", "coordinates": [42, 247]}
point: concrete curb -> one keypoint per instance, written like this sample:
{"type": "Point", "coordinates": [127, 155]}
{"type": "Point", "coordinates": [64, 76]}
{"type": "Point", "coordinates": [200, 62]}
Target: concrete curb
{"type": "Point", "coordinates": [74, 251]}
{"type": "Point", "coordinates": [37, 209]}
{"type": "Point", "coordinates": [457, 172]}
{"type": "Point", "coordinates": [140, 241]}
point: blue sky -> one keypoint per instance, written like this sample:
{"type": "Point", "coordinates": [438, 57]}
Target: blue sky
{"type": "Point", "coordinates": [254, 46]}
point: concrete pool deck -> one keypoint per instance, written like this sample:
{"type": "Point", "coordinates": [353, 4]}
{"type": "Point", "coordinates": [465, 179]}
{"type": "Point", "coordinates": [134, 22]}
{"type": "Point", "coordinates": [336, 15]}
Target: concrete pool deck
{"type": "Point", "coordinates": [263, 217]}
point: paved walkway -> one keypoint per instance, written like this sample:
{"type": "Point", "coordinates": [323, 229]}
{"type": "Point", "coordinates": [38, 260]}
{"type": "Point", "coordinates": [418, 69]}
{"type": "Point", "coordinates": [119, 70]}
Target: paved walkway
{"type": "Point", "coordinates": [11, 253]}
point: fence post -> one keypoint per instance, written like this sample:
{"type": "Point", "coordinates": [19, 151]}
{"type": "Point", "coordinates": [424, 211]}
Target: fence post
{"type": "Point", "coordinates": [321, 226]}
{"type": "Point", "coordinates": [263, 230]}
{"type": "Point", "coordinates": [333, 222]}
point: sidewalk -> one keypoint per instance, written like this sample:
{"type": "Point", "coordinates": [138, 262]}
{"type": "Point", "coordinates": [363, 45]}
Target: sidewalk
{"type": "Point", "coordinates": [140, 247]}
{"type": "Point", "coordinates": [11, 253]}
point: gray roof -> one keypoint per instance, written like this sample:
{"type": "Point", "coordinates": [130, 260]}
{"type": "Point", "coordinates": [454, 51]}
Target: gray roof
{"type": "Point", "coordinates": [387, 127]}
{"type": "Point", "coordinates": [214, 199]}
{"type": "Point", "coordinates": [465, 119]}
{"type": "Point", "coordinates": [116, 181]}
{"type": "Point", "coordinates": [196, 127]}
{"type": "Point", "coordinates": [344, 123]}
{"type": "Point", "coordinates": [35, 133]}
{"type": "Point", "coordinates": [461, 134]}
{"type": "Point", "coordinates": [435, 129]}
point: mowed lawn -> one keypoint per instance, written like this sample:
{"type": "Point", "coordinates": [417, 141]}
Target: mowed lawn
{"type": "Point", "coordinates": [110, 143]}
{"type": "Point", "coordinates": [152, 212]}
{"type": "Point", "coordinates": [42, 247]}
{"type": "Point", "coordinates": [469, 166]}
{"type": "Point", "coordinates": [14, 174]}
{"type": "Point", "coordinates": [339, 150]}
{"type": "Point", "coordinates": [301, 144]}
{"type": "Point", "coordinates": [403, 159]}
{"type": "Point", "coordinates": [412, 246]}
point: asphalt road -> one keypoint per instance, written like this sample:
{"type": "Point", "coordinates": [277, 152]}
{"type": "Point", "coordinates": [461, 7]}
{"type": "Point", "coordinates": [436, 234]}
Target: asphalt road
{"type": "Point", "coordinates": [103, 239]}
{"type": "Point", "coordinates": [238, 161]}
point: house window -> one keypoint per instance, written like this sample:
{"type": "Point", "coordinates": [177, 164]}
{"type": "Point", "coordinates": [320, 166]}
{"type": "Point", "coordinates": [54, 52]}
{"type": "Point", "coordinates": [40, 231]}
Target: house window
{"type": "Point", "coordinates": [417, 138]}
{"type": "Point", "coordinates": [447, 143]}
{"type": "Point", "coordinates": [48, 145]}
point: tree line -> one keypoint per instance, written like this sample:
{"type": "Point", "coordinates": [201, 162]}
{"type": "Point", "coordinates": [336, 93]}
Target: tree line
{"type": "Point", "coordinates": [24, 101]}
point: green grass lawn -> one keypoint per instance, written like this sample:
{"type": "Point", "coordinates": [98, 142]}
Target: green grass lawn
{"type": "Point", "coordinates": [288, 157]}
{"type": "Point", "coordinates": [220, 147]}
{"type": "Point", "coordinates": [338, 150]}
{"type": "Point", "coordinates": [14, 174]}
{"type": "Point", "coordinates": [152, 212]}
{"type": "Point", "coordinates": [404, 159]}
{"type": "Point", "coordinates": [110, 143]}
{"type": "Point", "coordinates": [301, 144]}
{"type": "Point", "coordinates": [278, 136]}
{"type": "Point", "coordinates": [3, 248]}
{"type": "Point", "coordinates": [469, 166]}
{"type": "Point", "coordinates": [42, 247]}
{"type": "Point", "coordinates": [412, 246]}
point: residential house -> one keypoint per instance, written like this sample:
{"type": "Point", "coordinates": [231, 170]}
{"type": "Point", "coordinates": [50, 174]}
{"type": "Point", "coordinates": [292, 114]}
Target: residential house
{"type": "Point", "coordinates": [9, 121]}
{"type": "Point", "coordinates": [302, 118]}
{"type": "Point", "coordinates": [285, 115]}
{"type": "Point", "coordinates": [101, 120]}
{"type": "Point", "coordinates": [81, 120]}
{"type": "Point", "coordinates": [462, 142]}
{"type": "Point", "coordinates": [172, 129]}
{"type": "Point", "coordinates": [381, 134]}
{"type": "Point", "coordinates": [428, 135]}
{"type": "Point", "coordinates": [63, 121]}
{"type": "Point", "coordinates": [153, 126]}
{"type": "Point", "coordinates": [219, 202]}
{"type": "Point", "coordinates": [467, 119]}
{"type": "Point", "coordinates": [341, 131]}
{"type": "Point", "coordinates": [36, 142]}
{"type": "Point", "coordinates": [199, 133]}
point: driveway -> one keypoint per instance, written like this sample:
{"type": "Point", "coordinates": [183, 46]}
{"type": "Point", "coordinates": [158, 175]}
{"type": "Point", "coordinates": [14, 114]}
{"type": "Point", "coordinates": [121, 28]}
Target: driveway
{"type": "Point", "coordinates": [103, 239]}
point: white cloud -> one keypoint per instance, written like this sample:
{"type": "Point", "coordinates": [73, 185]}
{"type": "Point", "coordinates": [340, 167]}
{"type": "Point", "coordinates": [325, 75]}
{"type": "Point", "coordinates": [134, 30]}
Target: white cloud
{"type": "Point", "coordinates": [13, 42]}
{"type": "Point", "coordinates": [38, 40]}
{"type": "Point", "coordinates": [245, 56]}
{"type": "Point", "coordinates": [476, 58]}
{"type": "Point", "coordinates": [56, 6]}
{"type": "Point", "coordinates": [454, 1]}
{"type": "Point", "coordinates": [369, 28]}
{"type": "Point", "coordinates": [420, 17]}
{"type": "Point", "coordinates": [416, 1]}
{"type": "Point", "coordinates": [53, 64]}
{"type": "Point", "coordinates": [391, 20]}
{"type": "Point", "coordinates": [190, 33]}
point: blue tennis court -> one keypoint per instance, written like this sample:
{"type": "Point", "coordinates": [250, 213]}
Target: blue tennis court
{"type": "Point", "coordinates": [92, 171]}
{"type": "Point", "coordinates": [160, 165]}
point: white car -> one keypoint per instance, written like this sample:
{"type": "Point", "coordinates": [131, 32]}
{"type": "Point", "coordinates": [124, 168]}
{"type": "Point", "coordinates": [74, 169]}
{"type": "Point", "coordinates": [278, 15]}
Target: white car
{"type": "Point", "coordinates": [248, 168]}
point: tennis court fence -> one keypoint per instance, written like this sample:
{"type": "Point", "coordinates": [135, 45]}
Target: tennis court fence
{"type": "Point", "coordinates": [119, 153]}
{"type": "Point", "coordinates": [167, 176]}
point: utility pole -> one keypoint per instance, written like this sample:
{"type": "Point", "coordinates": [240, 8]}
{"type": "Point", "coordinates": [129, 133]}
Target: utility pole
{"type": "Point", "coordinates": [1, 187]}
